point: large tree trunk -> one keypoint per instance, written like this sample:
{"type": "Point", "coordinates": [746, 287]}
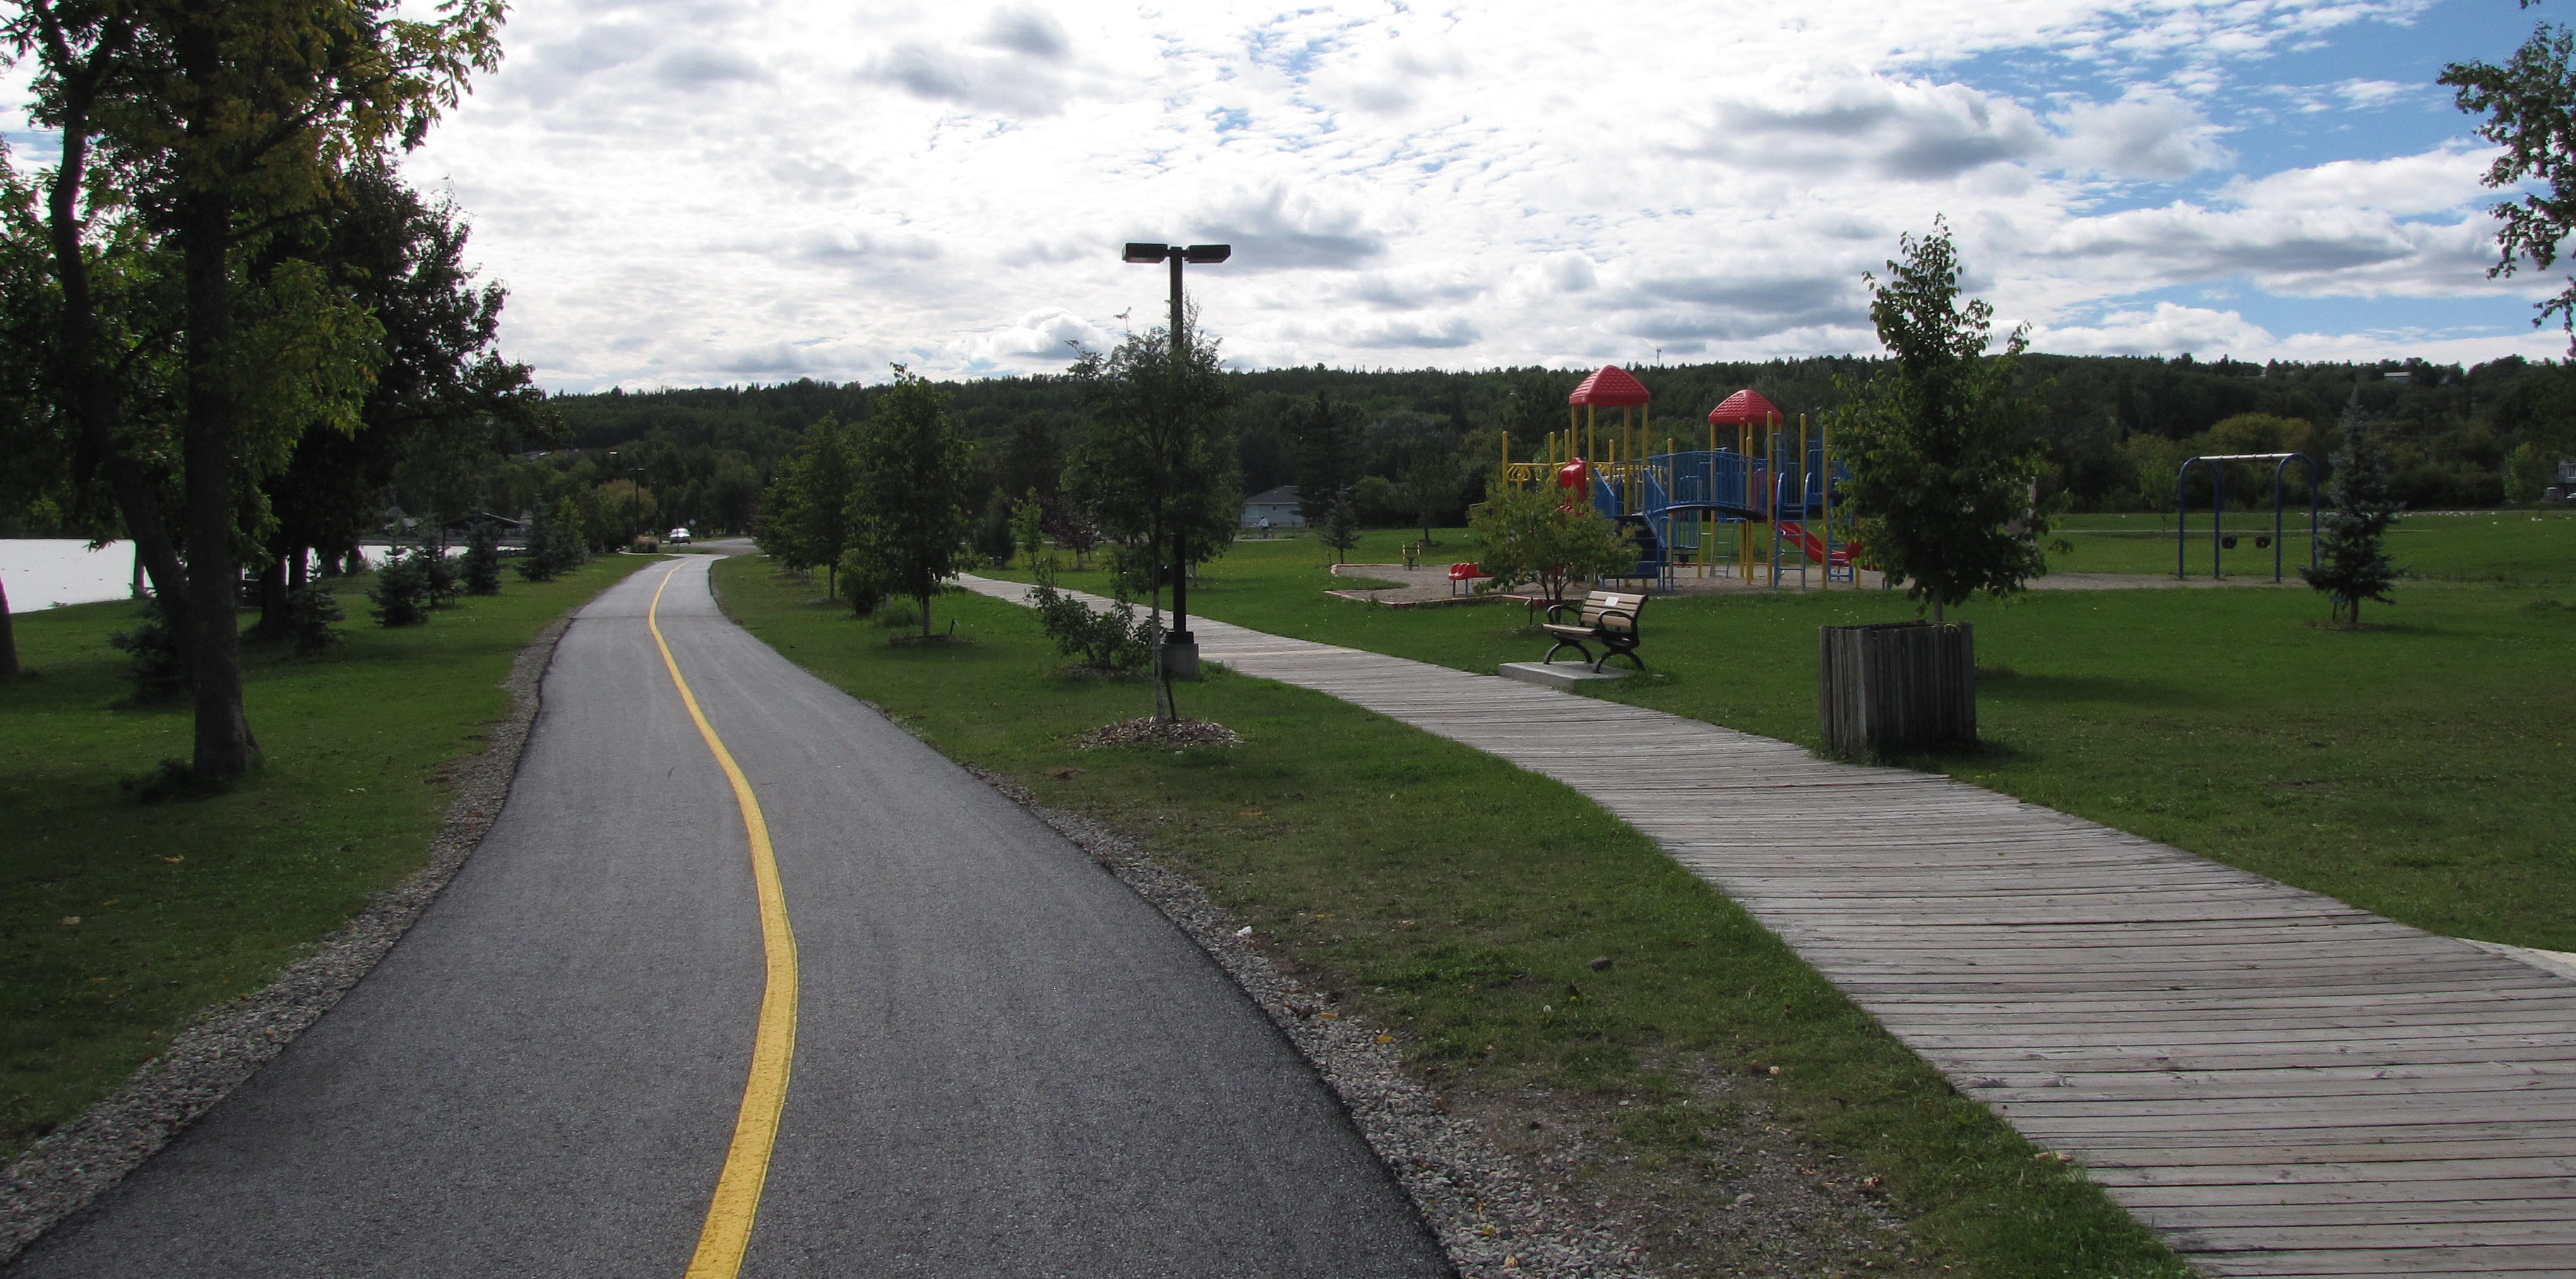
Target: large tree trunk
{"type": "Point", "coordinates": [8, 639]}
{"type": "Point", "coordinates": [272, 599]}
{"type": "Point", "coordinates": [225, 749]}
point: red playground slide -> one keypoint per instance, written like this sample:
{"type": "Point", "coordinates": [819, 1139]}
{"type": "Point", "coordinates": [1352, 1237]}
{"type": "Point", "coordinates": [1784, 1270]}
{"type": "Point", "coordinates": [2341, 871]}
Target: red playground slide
{"type": "Point", "coordinates": [1797, 532]}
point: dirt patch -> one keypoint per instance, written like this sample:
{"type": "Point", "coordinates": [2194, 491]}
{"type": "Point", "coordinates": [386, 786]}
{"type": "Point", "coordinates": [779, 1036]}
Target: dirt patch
{"type": "Point", "coordinates": [1704, 1181]}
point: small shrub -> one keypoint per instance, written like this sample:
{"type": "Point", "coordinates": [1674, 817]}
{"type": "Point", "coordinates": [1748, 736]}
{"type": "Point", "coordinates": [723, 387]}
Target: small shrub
{"type": "Point", "coordinates": [402, 591]}
{"type": "Point", "coordinates": [153, 660]}
{"type": "Point", "coordinates": [310, 611]}
{"type": "Point", "coordinates": [897, 614]}
{"type": "Point", "coordinates": [857, 583]}
{"type": "Point", "coordinates": [1112, 640]}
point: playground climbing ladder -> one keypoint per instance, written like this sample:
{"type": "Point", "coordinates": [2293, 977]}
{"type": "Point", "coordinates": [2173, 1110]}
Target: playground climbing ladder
{"type": "Point", "coordinates": [2278, 1083]}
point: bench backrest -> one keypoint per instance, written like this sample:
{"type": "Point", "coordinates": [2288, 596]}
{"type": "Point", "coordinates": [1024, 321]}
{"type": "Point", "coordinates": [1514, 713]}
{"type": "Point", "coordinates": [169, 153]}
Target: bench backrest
{"type": "Point", "coordinates": [1599, 602]}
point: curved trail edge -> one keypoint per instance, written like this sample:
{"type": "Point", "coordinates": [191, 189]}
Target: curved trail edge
{"type": "Point", "coordinates": [73, 1165]}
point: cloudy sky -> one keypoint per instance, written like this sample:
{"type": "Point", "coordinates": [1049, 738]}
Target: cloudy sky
{"type": "Point", "coordinates": [693, 192]}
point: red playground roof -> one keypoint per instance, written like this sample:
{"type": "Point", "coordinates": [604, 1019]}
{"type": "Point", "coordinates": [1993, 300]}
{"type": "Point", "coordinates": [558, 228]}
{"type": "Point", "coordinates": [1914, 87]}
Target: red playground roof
{"type": "Point", "coordinates": [1610, 387]}
{"type": "Point", "coordinates": [1743, 407]}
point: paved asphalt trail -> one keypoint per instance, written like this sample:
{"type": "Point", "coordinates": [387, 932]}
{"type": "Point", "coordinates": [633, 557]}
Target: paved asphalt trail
{"type": "Point", "coordinates": [1006, 1063]}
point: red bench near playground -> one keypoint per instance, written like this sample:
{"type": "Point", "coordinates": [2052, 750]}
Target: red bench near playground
{"type": "Point", "coordinates": [1463, 578]}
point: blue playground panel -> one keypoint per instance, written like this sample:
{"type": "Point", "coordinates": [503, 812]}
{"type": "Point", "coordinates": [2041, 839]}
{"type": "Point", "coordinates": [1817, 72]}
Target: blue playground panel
{"type": "Point", "coordinates": [1664, 501]}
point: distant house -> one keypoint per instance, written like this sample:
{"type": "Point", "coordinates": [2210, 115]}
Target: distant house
{"type": "Point", "coordinates": [1279, 506]}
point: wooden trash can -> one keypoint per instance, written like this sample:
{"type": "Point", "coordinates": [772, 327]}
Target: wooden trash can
{"type": "Point", "coordinates": [1897, 687]}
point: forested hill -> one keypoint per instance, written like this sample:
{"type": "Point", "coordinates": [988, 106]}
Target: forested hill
{"type": "Point", "coordinates": [2113, 424]}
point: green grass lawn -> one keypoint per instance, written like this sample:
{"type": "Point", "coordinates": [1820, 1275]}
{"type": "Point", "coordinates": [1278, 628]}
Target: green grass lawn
{"type": "Point", "coordinates": [1458, 901]}
{"type": "Point", "coordinates": [2420, 769]}
{"type": "Point", "coordinates": [119, 920]}
{"type": "Point", "coordinates": [2532, 547]}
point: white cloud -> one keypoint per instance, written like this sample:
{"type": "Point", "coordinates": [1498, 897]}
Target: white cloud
{"type": "Point", "coordinates": [732, 189]}
{"type": "Point", "coordinates": [2155, 136]}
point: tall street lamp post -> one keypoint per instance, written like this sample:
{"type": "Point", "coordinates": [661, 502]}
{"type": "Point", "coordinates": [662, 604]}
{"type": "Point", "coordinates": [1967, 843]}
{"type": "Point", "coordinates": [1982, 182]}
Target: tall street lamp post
{"type": "Point", "coordinates": [1180, 654]}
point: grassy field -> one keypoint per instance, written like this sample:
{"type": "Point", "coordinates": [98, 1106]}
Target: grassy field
{"type": "Point", "coordinates": [120, 920]}
{"type": "Point", "coordinates": [2420, 768]}
{"type": "Point", "coordinates": [2530, 547]}
{"type": "Point", "coordinates": [1460, 901]}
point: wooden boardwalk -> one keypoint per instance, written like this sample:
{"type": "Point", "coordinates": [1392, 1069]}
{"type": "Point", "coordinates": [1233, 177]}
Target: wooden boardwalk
{"type": "Point", "coordinates": [2277, 1082]}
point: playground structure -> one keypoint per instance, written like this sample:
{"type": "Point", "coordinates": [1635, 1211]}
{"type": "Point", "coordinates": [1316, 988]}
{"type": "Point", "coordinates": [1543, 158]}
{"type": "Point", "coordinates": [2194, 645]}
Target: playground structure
{"type": "Point", "coordinates": [2219, 541]}
{"type": "Point", "coordinates": [1762, 502]}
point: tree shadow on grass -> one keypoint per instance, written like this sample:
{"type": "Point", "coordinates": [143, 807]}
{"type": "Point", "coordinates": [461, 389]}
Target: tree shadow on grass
{"type": "Point", "coordinates": [2015, 687]}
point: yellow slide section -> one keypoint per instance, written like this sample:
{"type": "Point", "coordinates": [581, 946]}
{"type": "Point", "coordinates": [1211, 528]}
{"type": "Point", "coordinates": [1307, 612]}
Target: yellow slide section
{"type": "Point", "coordinates": [773, 1050]}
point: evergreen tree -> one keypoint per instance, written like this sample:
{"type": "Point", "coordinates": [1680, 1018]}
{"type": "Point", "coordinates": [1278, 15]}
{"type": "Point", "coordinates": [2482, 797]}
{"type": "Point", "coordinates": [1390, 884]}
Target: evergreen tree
{"type": "Point", "coordinates": [404, 589]}
{"type": "Point", "coordinates": [482, 559]}
{"type": "Point", "coordinates": [1341, 524]}
{"type": "Point", "coordinates": [535, 564]}
{"type": "Point", "coordinates": [310, 611]}
{"type": "Point", "coordinates": [1324, 465]}
{"type": "Point", "coordinates": [2356, 566]}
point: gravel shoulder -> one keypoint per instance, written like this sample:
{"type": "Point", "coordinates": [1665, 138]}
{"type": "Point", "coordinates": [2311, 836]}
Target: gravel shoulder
{"type": "Point", "coordinates": [70, 1167]}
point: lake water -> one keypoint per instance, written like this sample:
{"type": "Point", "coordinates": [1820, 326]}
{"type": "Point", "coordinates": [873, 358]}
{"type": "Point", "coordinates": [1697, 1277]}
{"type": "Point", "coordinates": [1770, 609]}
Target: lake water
{"type": "Point", "coordinates": [41, 572]}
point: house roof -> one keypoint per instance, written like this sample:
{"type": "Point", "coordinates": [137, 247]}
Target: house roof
{"type": "Point", "coordinates": [1284, 495]}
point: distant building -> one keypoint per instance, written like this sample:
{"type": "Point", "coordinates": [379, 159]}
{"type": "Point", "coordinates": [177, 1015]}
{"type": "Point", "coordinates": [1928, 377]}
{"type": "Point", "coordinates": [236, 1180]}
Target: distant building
{"type": "Point", "coordinates": [1279, 506]}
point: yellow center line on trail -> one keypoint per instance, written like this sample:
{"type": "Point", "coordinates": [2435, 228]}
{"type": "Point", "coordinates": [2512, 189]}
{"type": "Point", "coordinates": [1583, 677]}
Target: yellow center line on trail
{"type": "Point", "coordinates": [727, 1232]}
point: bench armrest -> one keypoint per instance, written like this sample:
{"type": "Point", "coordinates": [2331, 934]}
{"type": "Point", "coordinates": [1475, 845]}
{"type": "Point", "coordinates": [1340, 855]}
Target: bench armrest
{"type": "Point", "coordinates": [1627, 620]}
{"type": "Point", "coordinates": [1554, 609]}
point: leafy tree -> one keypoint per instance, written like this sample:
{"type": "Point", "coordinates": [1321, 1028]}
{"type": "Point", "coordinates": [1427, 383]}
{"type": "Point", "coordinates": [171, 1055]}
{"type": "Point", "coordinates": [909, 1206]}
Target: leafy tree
{"type": "Point", "coordinates": [2356, 565]}
{"type": "Point", "coordinates": [1324, 465]}
{"type": "Point", "coordinates": [1070, 526]}
{"type": "Point", "coordinates": [443, 407]}
{"type": "Point", "coordinates": [908, 513]}
{"type": "Point", "coordinates": [1028, 527]}
{"type": "Point", "coordinates": [1432, 480]}
{"type": "Point", "coordinates": [1158, 469]}
{"type": "Point", "coordinates": [195, 140]}
{"type": "Point", "coordinates": [994, 538]}
{"type": "Point", "coordinates": [2529, 471]}
{"type": "Point", "coordinates": [2530, 109]}
{"type": "Point", "coordinates": [804, 518]}
{"type": "Point", "coordinates": [1942, 478]}
{"type": "Point", "coordinates": [1524, 536]}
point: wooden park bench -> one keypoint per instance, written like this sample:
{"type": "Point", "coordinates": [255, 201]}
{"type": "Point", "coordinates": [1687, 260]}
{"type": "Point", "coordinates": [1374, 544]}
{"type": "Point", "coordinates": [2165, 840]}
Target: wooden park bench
{"type": "Point", "coordinates": [1607, 618]}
